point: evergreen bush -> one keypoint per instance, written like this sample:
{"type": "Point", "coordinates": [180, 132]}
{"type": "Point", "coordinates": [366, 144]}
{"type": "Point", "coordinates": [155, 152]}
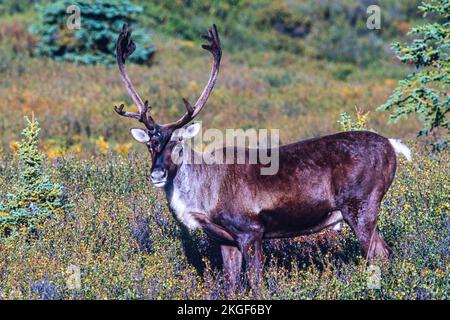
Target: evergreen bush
{"type": "Point", "coordinates": [425, 92]}
{"type": "Point", "coordinates": [94, 42]}
{"type": "Point", "coordinates": [35, 197]}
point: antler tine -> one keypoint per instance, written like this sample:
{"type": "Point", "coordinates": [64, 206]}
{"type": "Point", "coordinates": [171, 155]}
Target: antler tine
{"type": "Point", "coordinates": [124, 48]}
{"type": "Point", "coordinates": [189, 107]}
{"type": "Point", "coordinates": [213, 46]}
{"type": "Point", "coordinates": [143, 117]}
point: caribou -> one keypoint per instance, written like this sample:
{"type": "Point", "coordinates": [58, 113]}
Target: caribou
{"type": "Point", "coordinates": [320, 182]}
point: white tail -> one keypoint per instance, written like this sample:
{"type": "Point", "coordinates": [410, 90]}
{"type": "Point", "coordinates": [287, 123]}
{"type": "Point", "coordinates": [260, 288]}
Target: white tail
{"type": "Point", "coordinates": [402, 148]}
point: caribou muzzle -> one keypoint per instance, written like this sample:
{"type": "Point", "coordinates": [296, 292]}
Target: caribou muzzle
{"type": "Point", "coordinates": [159, 177]}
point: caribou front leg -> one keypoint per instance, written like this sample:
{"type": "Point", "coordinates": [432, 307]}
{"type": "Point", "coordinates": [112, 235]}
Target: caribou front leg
{"type": "Point", "coordinates": [232, 265]}
{"type": "Point", "coordinates": [231, 256]}
{"type": "Point", "coordinates": [254, 259]}
{"type": "Point", "coordinates": [214, 230]}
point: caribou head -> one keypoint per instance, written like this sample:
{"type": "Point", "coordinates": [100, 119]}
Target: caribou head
{"type": "Point", "coordinates": [160, 140]}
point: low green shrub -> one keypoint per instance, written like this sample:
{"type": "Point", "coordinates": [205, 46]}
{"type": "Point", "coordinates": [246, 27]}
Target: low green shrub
{"type": "Point", "coordinates": [127, 245]}
{"type": "Point", "coordinates": [17, 6]}
{"type": "Point", "coordinates": [347, 123]}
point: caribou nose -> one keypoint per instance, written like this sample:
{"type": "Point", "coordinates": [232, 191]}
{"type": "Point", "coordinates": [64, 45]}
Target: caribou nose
{"type": "Point", "coordinates": [158, 174]}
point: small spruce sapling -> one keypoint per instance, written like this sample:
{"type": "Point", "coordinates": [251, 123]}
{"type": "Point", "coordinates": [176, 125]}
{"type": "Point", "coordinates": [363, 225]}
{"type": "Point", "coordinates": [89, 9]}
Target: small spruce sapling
{"type": "Point", "coordinates": [35, 197]}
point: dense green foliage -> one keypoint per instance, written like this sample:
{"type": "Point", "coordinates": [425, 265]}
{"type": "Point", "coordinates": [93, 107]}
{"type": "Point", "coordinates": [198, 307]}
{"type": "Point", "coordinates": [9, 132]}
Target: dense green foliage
{"type": "Point", "coordinates": [425, 92]}
{"type": "Point", "coordinates": [332, 30]}
{"type": "Point", "coordinates": [35, 197]}
{"type": "Point", "coordinates": [16, 6]}
{"type": "Point", "coordinates": [94, 41]}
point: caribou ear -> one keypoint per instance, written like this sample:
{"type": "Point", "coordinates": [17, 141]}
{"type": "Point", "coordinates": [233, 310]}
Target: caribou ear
{"type": "Point", "coordinates": [140, 135]}
{"type": "Point", "coordinates": [191, 131]}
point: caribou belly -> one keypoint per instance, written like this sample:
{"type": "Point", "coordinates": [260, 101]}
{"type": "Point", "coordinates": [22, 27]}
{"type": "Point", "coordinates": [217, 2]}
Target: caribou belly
{"type": "Point", "coordinates": [291, 225]}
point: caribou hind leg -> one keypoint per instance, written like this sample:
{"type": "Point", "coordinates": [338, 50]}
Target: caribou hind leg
{"type": "Point", "coordinates": [362, 216]}
{"type": "Point", "coordinates": [378, 247]}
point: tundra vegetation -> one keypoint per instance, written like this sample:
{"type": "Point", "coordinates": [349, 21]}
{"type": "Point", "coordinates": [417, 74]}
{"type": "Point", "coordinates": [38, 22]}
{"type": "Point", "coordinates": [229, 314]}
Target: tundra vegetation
{"type": "Point", "coordinates": [298, 66]}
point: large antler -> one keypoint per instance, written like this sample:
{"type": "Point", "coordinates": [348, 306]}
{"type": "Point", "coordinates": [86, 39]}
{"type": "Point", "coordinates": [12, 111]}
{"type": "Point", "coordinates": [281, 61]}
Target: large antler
{"type": "Point", "coordinates": [213, 46]}
{"type": "Point", "coordinates": [124, 48]}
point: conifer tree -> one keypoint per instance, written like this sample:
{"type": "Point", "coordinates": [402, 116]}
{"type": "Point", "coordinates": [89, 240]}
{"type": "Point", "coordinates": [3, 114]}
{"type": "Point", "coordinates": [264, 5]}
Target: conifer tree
{"type": "Point", "coordinates": [35, 197]}
{"type": "Point", "coordinates": [425, 92]}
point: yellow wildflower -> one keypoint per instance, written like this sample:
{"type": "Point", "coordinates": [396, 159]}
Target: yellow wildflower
{"type": "Point", "coordinates": [14, 146]}
{"type": "Point", "coordinates": [123, 148]}
{"type": "Point", "coordinates": [102, 144]}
